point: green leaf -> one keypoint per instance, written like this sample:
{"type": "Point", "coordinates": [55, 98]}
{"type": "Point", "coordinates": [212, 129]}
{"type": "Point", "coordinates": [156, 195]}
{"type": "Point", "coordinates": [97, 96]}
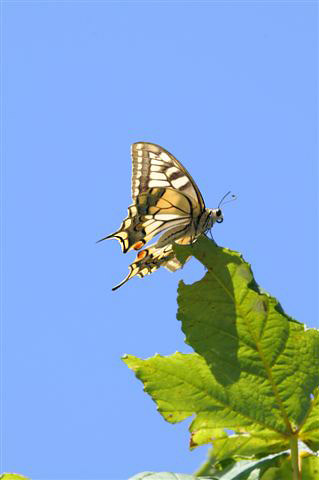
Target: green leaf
{"type": "Point", "coordinates": [182, 385]}
{"type": "Point", "coordinates": [250, 469]}
{"type": "Point", "coordinates": [309, 469]}
{"type": "Point", "coordinates": [309, 433]}
{"type": "Point", "coordinates": [242, 470]}
{"type": "Point", "coordinates": [248, 445]}
{"type": "Point", "coordinates": [266, 362]}
{"type": "Point", "coordinates": [164, 476]}
{"type": "Point", "coordinates": [254, 371]}
{"type": "Point", "coordinates": [271, 467]}
{"type": "Point", "coordinates": [12, 476]}
{"type": "Point", "coordinates": [225, 460]}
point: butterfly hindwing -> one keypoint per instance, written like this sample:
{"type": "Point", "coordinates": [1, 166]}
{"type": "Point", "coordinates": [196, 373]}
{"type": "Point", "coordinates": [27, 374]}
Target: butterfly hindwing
{"type": "Point", "coordinates": [150, 260]}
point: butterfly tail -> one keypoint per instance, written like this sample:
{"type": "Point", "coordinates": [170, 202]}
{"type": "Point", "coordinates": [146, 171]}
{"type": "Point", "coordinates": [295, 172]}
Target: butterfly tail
{"type": "Point", "coordinates": [121, 236]}
{"type": "Point", "coordinates": [107, 238]}
{"type": "Point", "coordinates": [120, 284]}
{"type": "Point", "coordinates": [126, 279]}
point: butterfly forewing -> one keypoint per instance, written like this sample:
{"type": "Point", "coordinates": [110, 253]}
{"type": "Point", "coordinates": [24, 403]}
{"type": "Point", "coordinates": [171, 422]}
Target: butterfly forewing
{"type": "Point", "coordinates": [153, 166]}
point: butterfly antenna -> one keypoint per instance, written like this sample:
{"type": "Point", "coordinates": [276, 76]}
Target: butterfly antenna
{"type": "Point", "coordinates": [233, 197]}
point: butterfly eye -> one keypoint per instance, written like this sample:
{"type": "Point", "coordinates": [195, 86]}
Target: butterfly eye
{"type": "Point", "coordinates": [219, 217]}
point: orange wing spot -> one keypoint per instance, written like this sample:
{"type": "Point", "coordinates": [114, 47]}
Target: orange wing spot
{"type": "Point", "coordinates": [142, 254]}
{"type": "Point", "coordinates": [138, 245]}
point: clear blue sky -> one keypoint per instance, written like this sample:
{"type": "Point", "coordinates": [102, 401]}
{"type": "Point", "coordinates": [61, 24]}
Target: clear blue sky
{"type": "Point", "coordinates": [230, 89]}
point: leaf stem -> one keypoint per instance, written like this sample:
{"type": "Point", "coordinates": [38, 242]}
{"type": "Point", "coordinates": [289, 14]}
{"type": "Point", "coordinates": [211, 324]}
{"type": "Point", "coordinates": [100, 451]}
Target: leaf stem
{"type": "Point", "coordinates": [295, 458]}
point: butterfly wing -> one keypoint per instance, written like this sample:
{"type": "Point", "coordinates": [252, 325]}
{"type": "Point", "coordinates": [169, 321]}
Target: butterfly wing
{"type": "Point", "coordinates": [150, 260]}
{"type": "Point", "coordinates": [153, 166]}
{"type": "Point", "coordinates": [155, 210]}
{"type": "Point", "coordinates": [165, 199]}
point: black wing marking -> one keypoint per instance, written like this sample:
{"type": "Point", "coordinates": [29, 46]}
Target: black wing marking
{"type": "Point", "coordinates": [153, 166]}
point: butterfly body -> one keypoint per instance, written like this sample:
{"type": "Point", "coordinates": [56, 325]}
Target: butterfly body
{"type": "Point", "coordinates": [166, 200]}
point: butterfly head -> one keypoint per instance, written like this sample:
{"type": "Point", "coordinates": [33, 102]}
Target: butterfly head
{"type": "Point", "coordinates": [213, 216]}
{"type": "Point", "coordinates": [217, 216]}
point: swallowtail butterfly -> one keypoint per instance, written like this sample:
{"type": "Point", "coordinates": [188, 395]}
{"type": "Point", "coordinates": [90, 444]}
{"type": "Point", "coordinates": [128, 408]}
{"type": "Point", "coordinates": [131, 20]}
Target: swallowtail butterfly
{"type": "Point", "coordinates": [165, 199]}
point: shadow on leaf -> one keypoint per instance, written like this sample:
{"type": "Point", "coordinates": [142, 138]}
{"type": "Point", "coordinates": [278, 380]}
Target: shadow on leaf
{"type": "Point", "coordinates": [207, 309]}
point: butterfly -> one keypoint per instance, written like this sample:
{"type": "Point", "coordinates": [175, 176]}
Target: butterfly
{"type": "Point", "coordinates": [165, 200]}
